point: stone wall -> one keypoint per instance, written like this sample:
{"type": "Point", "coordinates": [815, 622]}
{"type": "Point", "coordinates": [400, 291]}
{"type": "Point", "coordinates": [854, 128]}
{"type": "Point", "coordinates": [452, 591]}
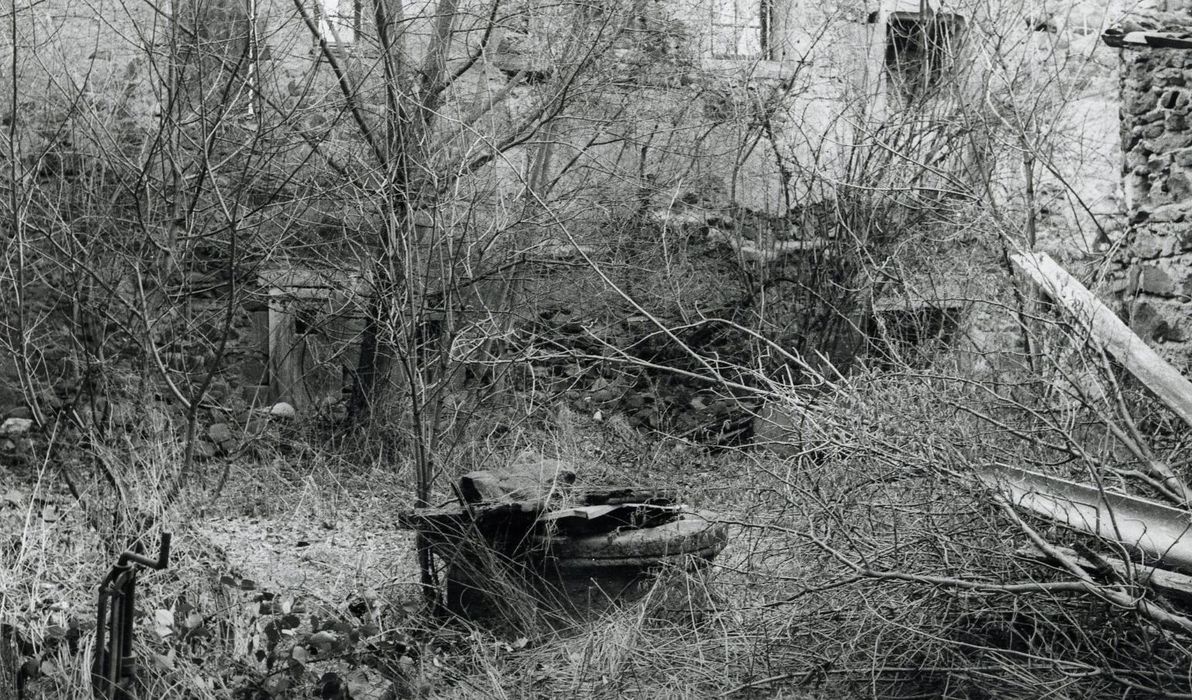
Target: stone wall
{"type": "Point", "coordinates": [1156, 125]}
{"type": "Point", "coordinates": [834, 72]}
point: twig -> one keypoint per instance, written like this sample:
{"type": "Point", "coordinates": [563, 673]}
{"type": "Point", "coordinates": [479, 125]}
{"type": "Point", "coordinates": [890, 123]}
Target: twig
{"type": "Point", "coordinates": [1113, 595]}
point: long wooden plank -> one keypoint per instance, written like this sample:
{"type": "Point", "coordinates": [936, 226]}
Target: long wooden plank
{"type": "Point", "coordinates": [1109, 332]}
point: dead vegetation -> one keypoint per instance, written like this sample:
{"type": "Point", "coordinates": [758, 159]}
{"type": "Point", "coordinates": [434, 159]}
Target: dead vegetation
{"type": "Point", "coordinates": [845, 378]}
{"type": "Point", "coordinates": [872, 560]}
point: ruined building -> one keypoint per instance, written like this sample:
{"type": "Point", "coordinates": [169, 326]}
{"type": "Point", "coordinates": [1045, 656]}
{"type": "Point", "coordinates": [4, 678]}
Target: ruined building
{"type": "Point", "coordinates": [1154, 265]}
{"type": "Point", "coordinates": [774, 106]}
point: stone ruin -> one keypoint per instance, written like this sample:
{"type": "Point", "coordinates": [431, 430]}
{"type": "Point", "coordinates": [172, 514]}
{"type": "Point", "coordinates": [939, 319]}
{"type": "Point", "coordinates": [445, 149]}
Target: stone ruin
{"type": "Point", "coordinates": [1153, 267]}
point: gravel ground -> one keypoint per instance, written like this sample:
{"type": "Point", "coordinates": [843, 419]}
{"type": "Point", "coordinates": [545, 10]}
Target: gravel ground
{"type": "Point", "coordinates": [329, 562]}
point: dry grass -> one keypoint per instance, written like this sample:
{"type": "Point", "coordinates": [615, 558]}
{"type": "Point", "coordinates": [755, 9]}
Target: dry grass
{"type": "Point", "coordinates": [840, 578]}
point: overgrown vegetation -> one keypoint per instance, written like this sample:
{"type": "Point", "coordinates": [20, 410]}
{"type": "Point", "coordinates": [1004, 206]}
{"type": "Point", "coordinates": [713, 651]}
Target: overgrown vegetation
{"type": "Point", "coordinates": [532, 221]}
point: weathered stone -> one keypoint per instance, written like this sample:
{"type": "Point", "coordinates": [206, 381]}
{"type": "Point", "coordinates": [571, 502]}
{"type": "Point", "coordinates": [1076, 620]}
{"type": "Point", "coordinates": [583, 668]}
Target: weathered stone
{"type": "Point", "coordinates": [1171, 212]}
{"type": "Point", "coordinates": [1145, 318]}
{"type": "Point", "coordinates": [1139, 102]}
{"type": "Point", "coordinates": [220, 433]}
{"type": "Point", "coordinates": [1179, 186]}
{"type": "Point", "coordinates": [1135, 165]}
{"type": "Point", "coordinates": [1117, 284]}
{"type": "Point", "coordinates": [1158, 162]}
{"type": "Point", "coordinates": [1175, 100]}
{"type": "Point", "coordinates": [1130, 140]}
{"type": "Point", "coordinates": [1157, 196]}
{"type": "Point", "coordinates": [1169, 142]}
{"type": "Point", "coordinates": [15, 426]}
{"type": "Point", "coordinates": [1136, 195]}
{"type": "Point", "coordinates": [1170, 76]}
{"type": "Point", "coordinates": [1155, 116]}
{"type": "Point", "coordinates": [1154, 279]}
{"type": "Point", "coordinates": [1148, 244]}
{"type": "Point", "coordinates": [281, 409]}
{"type": "Point", "coordinates": [530, 477]}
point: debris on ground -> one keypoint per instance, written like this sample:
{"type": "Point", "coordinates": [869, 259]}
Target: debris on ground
{"type": "Point", "coordinates": [578, 544]}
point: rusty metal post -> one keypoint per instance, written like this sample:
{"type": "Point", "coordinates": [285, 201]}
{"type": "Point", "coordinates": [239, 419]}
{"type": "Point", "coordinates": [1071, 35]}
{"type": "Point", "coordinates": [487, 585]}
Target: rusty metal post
{"type": "Point", "coordinates": [114, 666]}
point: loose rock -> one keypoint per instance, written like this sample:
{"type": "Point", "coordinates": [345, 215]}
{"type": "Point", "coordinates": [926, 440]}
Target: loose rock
{"type": "Point", "coordinates": [220, 433]}
{"type": "Point", "coordinates": [15, 426]}
{"type": "Point", "coordinates": [531, 477]}
{"type": "Point", "coordinates": [281, 409]}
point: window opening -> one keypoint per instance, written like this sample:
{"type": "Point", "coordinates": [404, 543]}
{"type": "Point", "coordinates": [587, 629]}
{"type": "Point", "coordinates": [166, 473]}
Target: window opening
{"type": "Point", "coordinates": [742, 28]}
{"type": "Point", "coordinates": [525, 37]}
{"type": "Point", "coordinates": [339, 21]}
{"type": "Point", "coordinates": [920, 48]}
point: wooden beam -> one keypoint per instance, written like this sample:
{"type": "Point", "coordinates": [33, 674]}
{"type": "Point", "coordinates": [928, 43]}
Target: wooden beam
{"type": "Point", "coordinates": [1110, 333]}
{"type": "Point", "coordinates": [1167, 582]}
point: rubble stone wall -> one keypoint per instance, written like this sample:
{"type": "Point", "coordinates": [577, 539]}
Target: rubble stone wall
{"type": "Point", "coordinates": [1156, 126]}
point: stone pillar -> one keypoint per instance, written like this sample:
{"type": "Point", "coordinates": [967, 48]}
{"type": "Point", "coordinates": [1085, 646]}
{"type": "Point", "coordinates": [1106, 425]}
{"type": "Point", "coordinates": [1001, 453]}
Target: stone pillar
{"type": "Point", "coordinates": [1156, 258]}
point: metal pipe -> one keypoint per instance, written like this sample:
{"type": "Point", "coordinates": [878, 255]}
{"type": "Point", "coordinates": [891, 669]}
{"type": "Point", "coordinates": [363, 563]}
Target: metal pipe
{"type": "Point", "coordinates": [116, 632]}
{"type": "Point", "coordinates": [114, 667]}
{"type": "Point", "coordinates": [128, 662]}
{"type": "Point", "coordinates": [1162, 532]}
{"type": "Point", "coordinates": [99, 663]}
